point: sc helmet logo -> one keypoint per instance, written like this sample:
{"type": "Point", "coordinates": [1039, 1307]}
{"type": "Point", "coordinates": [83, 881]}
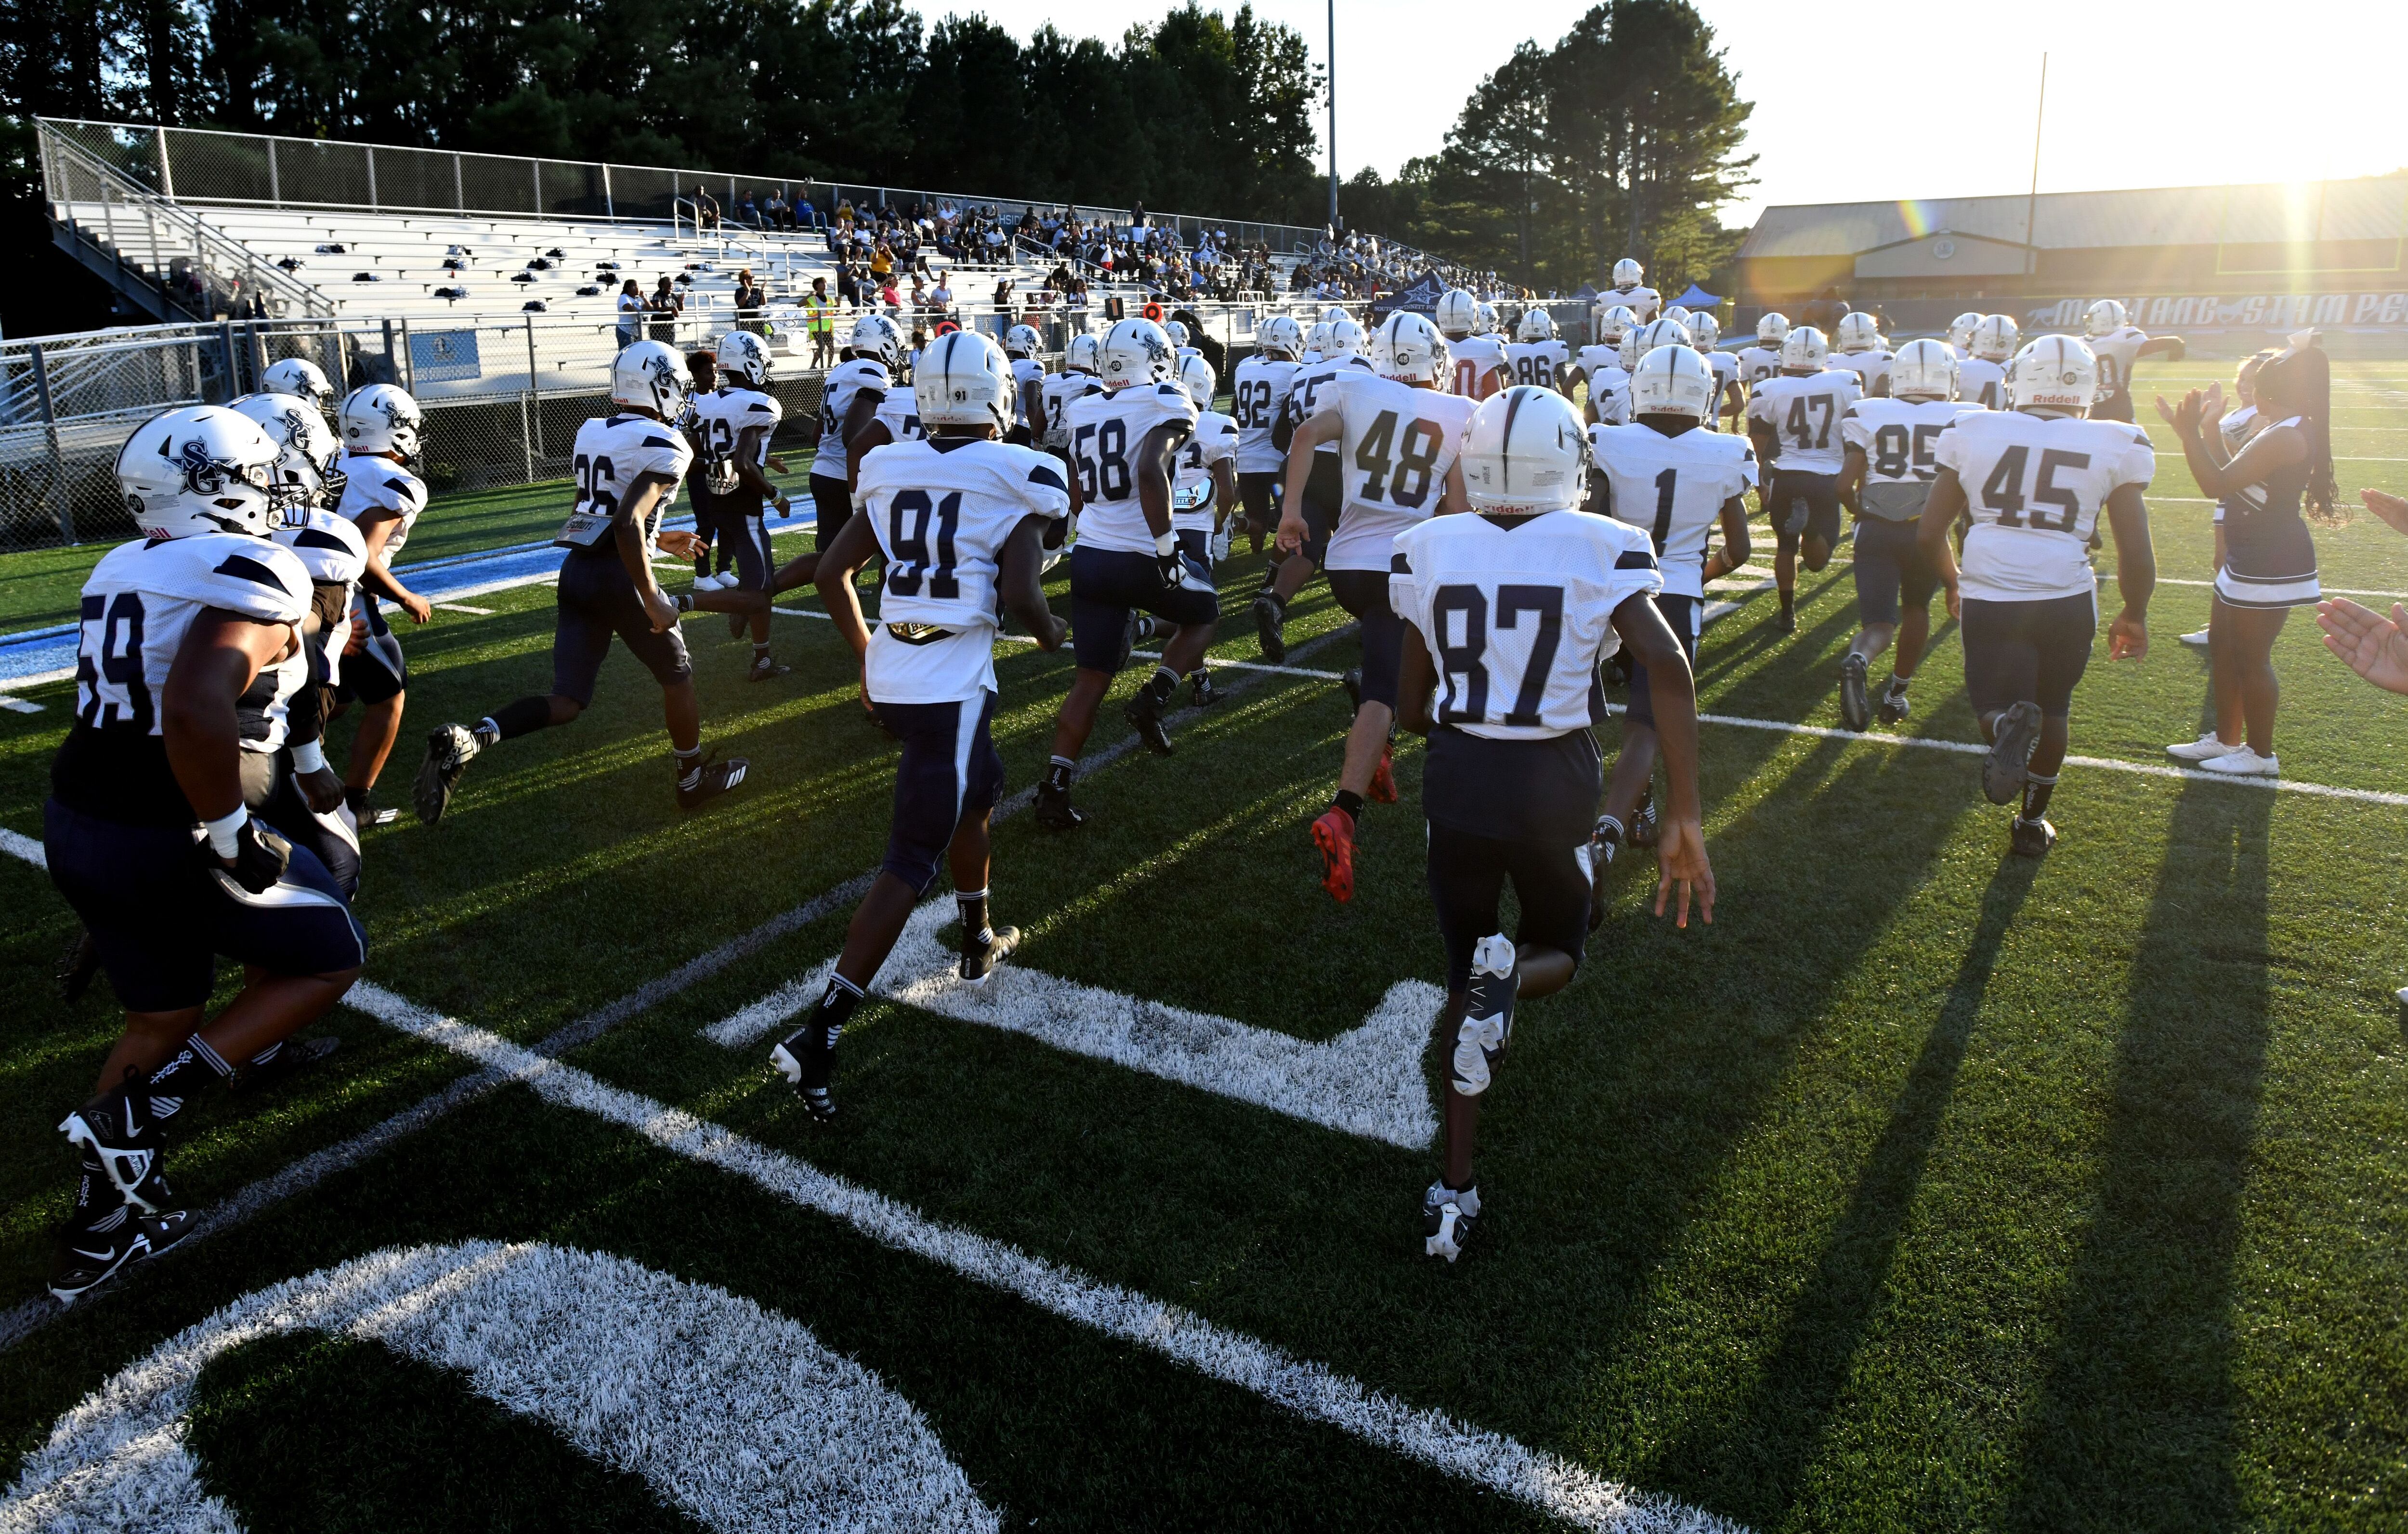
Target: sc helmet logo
{"type": "Point", "coordinates": [204, 476]}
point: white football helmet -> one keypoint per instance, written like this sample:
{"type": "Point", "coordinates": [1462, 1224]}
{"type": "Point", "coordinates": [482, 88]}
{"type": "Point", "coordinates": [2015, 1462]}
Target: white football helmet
{"type": "Point", "coordinates": [2053, 373]}
{"type": "Point", "coordinates": [1804, 350]}
{"type": "Point", "coordinates": [1177, 331]}
{"type": "Point", "coordinates": [1536, 325]}
{"type": "Point", "coordinates": [1628, 273]}
{"type": "Point", "coordinates": [649, 374]}
{"type": "Point", "coordinates": [1612, 319]}
{"type": "Point", "coordinates": [964, 380]}
{"type": "Point", "coordinates": [1924, 369]}
{"type": "Point", "coordinates": [203, 469]}
{"type": "Point", "coordinates": [1858, 332]}
{"type": "Point", "coordinates": [1346, 339]}
{"type": "Point", "coordinates": [1318, 342]}
{"type": "Point", "coordinates": [1021, 341]}
{"type": "Point", "coordinates": [1407, 346]}
{"type": "Point", "coordinates": [743, 357]}
{"type": "Point", "coordinates": [1336, 313]}
{"type": "Point", "coordinates": [1706, 331]}
{"type": "Point", "coordinates": [1960, 330]}
{"type": "Point", "coordinates": [298, 376]}
{"type": "Point", "coordinates": [1196, 376]}
{"type": "Point", "coordinates": [1487, 323]}
{"type": "Point", "coordinates": [1675, 312]}
{"type": "Point", "coordinates": [1772, 330]}
{"type": "Point", "coordinates": [1134, 351]}
{"type": "Point", "coordinates": [2103, 317]}
{"type": "Point", "coordinates": [874, 336]}
{"type": "Point", "coordinates": [1079, 355]}
{"type": "Point", "coordinates": [1996, 339]}
{"type": "Point", "coordinates": [381, 418]}
{"type": "Point", "coordinates": [1456, 313]}
{"type": "Point", "coordinates": [1524, 452]}
{"type": "Point", "coordinates": [1280, 333]}
{"type": "Point", "coordinates": [306, 448]}
{"type": "Point", "coordinates": [1672, 380]}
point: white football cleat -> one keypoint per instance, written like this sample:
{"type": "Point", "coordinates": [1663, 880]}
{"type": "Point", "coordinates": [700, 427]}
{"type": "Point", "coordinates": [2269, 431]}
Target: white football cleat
{"type": "Point", "coordinates": [2200, 750]}
{"type": "Point", "coordinates": [1447, 1219]}
{"type": "Point", "coordinates": [2196, 639]}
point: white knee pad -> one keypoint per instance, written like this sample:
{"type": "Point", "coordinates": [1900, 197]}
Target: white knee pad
{"type": "Point", "coordinates": [1476, 1043]}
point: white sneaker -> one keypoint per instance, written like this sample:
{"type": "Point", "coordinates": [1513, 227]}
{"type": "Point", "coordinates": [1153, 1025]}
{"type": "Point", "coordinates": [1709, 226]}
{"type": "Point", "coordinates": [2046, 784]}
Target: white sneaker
{"type": "Point", "coordinates": [2198, 638]}
{"type": "Point", "coordinates": [2240, 762]}
{"type": "Point", "coordinates": [2200, 750]}
{"type": "Point", "coordinates": [711, 582]}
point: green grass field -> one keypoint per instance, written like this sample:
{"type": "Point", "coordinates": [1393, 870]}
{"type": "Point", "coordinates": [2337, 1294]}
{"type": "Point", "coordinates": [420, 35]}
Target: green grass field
{"type": "Point", "coordinates": [1928, 1188]}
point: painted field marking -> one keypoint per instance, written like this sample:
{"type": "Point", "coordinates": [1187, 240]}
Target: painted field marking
{"type": "Point", "coordinates": [463, 606]}
{"type": "Point", "coordinates": [1311, 1390]}
{"type": "Point", "coordinates": [732, 1413]}
{"type": "Point", "coordinates": [1366, 1082]}
{"type": "Point", "coordinates": [21, 704]}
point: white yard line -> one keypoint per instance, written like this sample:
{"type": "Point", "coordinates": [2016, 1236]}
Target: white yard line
{"type": "Point", "coordinates": [461, 607]}
{"type": "Point", "coordinates": [21, 704]}
{"type": "Point", "coordinates": [1366, 1082]}
{"type": "Point", "coordinates": [1311, 1390]}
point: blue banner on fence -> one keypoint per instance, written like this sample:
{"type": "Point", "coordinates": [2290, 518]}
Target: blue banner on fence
{"type": "Point", "coordinates": [443, 356]}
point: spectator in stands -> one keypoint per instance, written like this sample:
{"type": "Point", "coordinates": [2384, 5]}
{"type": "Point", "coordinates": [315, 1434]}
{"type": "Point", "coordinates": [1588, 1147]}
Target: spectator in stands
{"type": "Point", "coordinates": [888, 297]}
{"type": "Point", "coordinates": [631, 304]}
{"type": "Point", "coordinates": [844, 214]}
{"type": "Point", "coordinates": [749, 211]}
{"type": "Point", "coordinates": [665, 306]}
{"type": "Point", "coordinates": [1003, 297]}
{"type": "Point", "coordinates": [882, 263]}
{"type": "Point", "coordinates": [848, 285]}
{"type": "Point", "coordinates": [775, 214]}
{"type": "Point", "coordinates": [749, 299]}
{"type": "Point", "coordinates": [941, 297]}
{"type": "Point", "coordinates": [706, 208]}
{"type": "Point", "coordinates": [819, 317]}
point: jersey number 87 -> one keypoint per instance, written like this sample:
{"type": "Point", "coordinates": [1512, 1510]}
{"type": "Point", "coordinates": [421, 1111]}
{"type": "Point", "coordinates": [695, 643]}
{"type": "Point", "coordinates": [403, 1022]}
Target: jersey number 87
{"type": "Point", "coordinates": [1468, 658]}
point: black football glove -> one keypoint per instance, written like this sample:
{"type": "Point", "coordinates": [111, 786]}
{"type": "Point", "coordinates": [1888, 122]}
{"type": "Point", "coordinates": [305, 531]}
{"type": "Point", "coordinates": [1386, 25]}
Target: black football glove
{"type": "Point", "coordinates": [1168, 568]}
{"type": "Point", "coordinates": [261, 855]}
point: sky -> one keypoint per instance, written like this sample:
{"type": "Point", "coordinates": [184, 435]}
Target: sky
{"type": "Point", "coordinates": [1888, 100]}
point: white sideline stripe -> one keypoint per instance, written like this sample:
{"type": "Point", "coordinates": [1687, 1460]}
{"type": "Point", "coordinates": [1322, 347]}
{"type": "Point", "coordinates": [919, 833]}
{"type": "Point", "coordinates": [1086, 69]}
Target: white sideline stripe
{"type": "Point", "coordinates": [732, 1413]}
{"type": "Point", "coordinates": [43, 679]}
{"type": "Point", "coordinates": [1366, 1081]}
{"type": "Point", "coordinates": [23, 847]}
{"type": "Point", "coordinates": [1311, 1390]}
{"type": "Point", "coordinates": [462, 606]}
{"type": "Point", "coordinates": [21, 704]}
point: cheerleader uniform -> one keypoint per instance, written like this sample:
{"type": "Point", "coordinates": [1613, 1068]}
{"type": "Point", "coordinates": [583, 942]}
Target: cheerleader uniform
{"type": "Point", "coordinates": [2270, 561]}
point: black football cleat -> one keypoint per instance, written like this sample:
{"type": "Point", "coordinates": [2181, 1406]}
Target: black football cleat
{"type": "Point", "coordinates": [1054, 810]}
{"type": "Point", "coordinates": [1144, 714]}
{"type": "Point", "coordinates": [1895, 704]}
{"type": "Point", "coordinates": [766, 669]}
{"type": "Point", "coordinates": [450, 749]}
{"type": "Point", "coordinates": [1270, 621]}
{"type": "Point", "coordinates": [711, 779]}
{"type": "Point", "coordinates": [2010, 758]}
{"type": "Point", "coordinates": [1855, 697]}
{"type": "Point", "coordinates": [2031, 837]}
{"type": "Point", "coordinates": [795, 1054]}
{"type": "Point", "coordinates": [86, 1260]}
{"type": "Point", "coordinates": [1788, 622]}
{"type": "Point", "coordinates": [1352, 679]}
{"type": "Point", "coordinates": [979, 964]}
{"type": "Point", "coordinates": [78, 963]}
{"type": "Point", "coordinates": [127, 1146]}
{"type": "Point", "coordinates": [297, 1055]}
{"type": "Point", "coordinates": [1202, 694]}
{"type": "Point", "coordinates": [1604, 843]}
{"type": "Point", "coordinates": [1448, 1216]}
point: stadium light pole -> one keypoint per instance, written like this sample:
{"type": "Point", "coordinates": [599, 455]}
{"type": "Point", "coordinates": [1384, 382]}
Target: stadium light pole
{"type": "Point", "coordinates": [2031, 201]}
{"type": "Point", "coordinates": [1332, 82]}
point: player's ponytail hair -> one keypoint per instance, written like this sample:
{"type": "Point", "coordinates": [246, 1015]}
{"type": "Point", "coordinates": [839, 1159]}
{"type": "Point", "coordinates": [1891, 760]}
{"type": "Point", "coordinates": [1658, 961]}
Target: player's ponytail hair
{"type": "Point", "coordinates": [2303, 378]}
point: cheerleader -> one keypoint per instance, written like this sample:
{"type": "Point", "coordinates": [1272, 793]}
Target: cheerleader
{"type": "Point", "coordinates": [2270, 561]}
{"type": "Point", "coordinates": [2239, 425]}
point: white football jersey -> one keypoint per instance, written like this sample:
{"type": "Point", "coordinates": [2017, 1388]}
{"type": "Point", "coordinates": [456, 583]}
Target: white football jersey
{"type": "Point", "coordinates": [1539, 364]}
{"type": "Point", "coordinates": [1256, 392]}
{"type": "Point", "coordinates": [2036, 486]}
{"type": "Point", "coordinates": [1672, 488]}
{"type": "Point", "coordinates": [1517, 613]}
{"type": "Point", "coordinates": [2117, 354]}
{"type": "Point", "coordinates": [1982, 382]}
{"type": "Point", "coordinates": [1191, 487]}
{"type": "Point", "coordinates": [900, 413]}
{"type": "Point", "coordinates": [1899, 439]}
{"type": "Point", "coordinates": [1396, 444]}
{"type": "Point", "coordinates": [1304, 390]}
{"type": "Point", "coordinates": [1060, 389]}
{"type": "Point", "coordinates": [943, 510]}
{"type": "Point", "coordinates": [1613, 405]}
{"type": "Point", "coordinates": [612, 452]}
{"type": "Point", "coordinates": [330, 547]}
{"type": "Point", "coordinates": [1596, 362]}
{"type": "Point", "coordinates": [1757, 363]}
{"type": "Point", "coordinates": [1643, 302]}
{"type": "Point", "coordinates": [1870, 367]}
{"type": "Point", "coordinates": [1025, 371]}
{"type": "Point", "coordinates": [1725, 368]}
{"type": "Point", "coordinates": [385, 487]}
{"type": "Point", "coordinates": [1475, 367]}
{"type": "Point", "coordinates": [1105, 431]}
{"type": "Point", "coordinates": [142, 597]}
{"type": "Point", "coordinates": [721, 419]}
{"type": "Point", "coordinates": [1804, 411]}
{"type": "Point", "coordinates": [843, 381]}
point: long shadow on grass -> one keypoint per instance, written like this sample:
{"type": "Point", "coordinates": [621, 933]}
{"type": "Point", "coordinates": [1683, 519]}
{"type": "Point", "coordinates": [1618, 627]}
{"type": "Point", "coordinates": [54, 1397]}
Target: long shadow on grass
{"type": "Point", "coordinates": [2134, 1427]}
{"type": "Point", "coordinates": [1757, 1458]}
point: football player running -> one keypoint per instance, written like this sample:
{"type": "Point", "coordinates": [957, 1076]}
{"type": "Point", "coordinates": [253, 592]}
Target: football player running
{"type": "Point", "coordinates": [1728, 396]}
{"type": "Point", "coordinates": [1476, 363]}
{"type": "Point", "coordinates": [1599, 365]}
{"type": "Point", "coordinates": [1536, 359]}
{"type": "Point", "coordinates": [1021, 344]}
{"type": "Point", "coordinates": [961, 519]}
{"type": "Point", "coordinates": [1127, 559]}
{"type": "Point", "coordinates": [1761, 361]}
{"type": "Point", "coordinates": [2035, 477]}
{"type": "Point", "coordinates": [1960, 335]}
{"type": "Point", "coordinates": [1342, 347]}
{"type": "Point", "coordinates": [627, 466]}
{"type": "Point", "coordinates": [849, 400]}
{"type": "Point", "coordinates": [1664, 475]}
{"type": "Point", "coordinates": [2118, 344]}
{"type": "Point", "coordinates": [1891, 462]}
{"type": "Point", "coordinates": [1260, 383]}
{"type": "Point", "coordinates": [1628, 290]}
{"type": "Point", "coordinates": [733, 424]}
{"type": "Point", "coordinates": [1509, 611]}
{"type": "Point", "coordinates": [1982, 378]}
{"type": "Point", "coordinates": [381, 426]}
{"type": "Point", "coordinates": [1077, 378]}
{"type": "Point", "coordinates": [1396, 437]}
{"type": "Point", "coordinates": [146, 833]}
{"type": "Point", "coordinates": [1204, 492]}
{"type": "Point", "coordinates": [1794, 418]}
{"type": "Point", "coordinates": [1862, 351]}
